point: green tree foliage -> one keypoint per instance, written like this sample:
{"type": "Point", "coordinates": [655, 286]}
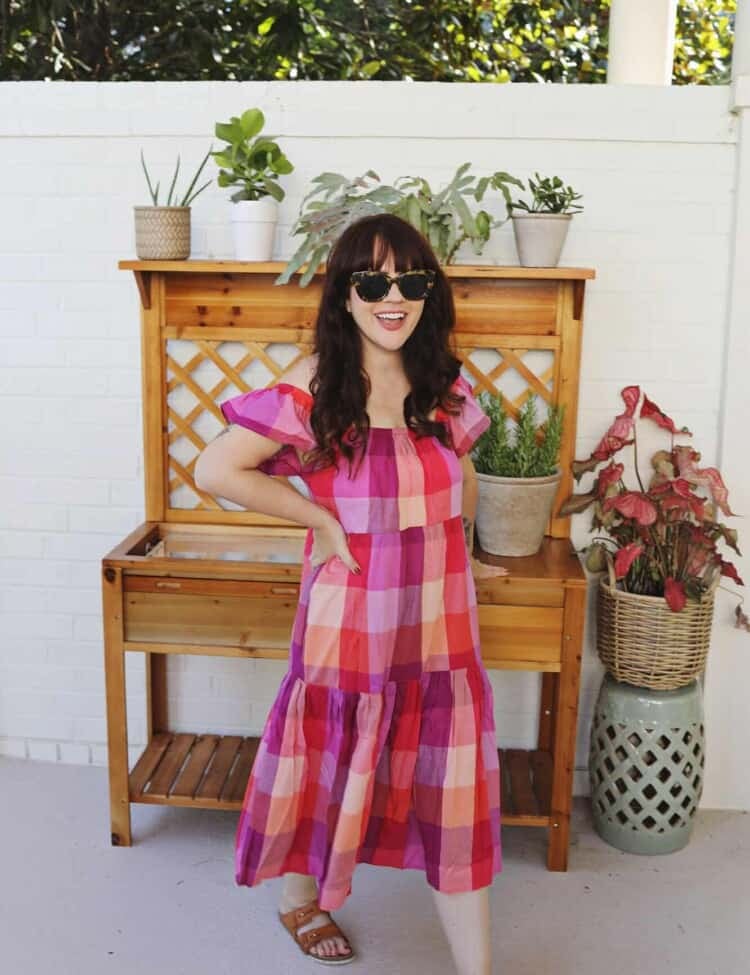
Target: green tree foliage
{"type": "Point", "coordinates": [325, 40]}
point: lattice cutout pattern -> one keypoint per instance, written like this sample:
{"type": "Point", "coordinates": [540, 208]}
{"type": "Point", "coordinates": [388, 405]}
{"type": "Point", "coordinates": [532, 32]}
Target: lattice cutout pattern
{"type": "Point", "coordinates": [200, 374]}
{"type": "Point", "coordinates": [646, 778]}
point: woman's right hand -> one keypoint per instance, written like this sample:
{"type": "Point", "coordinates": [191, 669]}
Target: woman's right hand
{"type": "Point", "coordinates": [329, 539]}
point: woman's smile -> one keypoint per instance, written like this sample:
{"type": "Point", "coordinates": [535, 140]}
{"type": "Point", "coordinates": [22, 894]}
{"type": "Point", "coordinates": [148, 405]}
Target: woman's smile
{"type": "Point", "coordinates": [391, 320]}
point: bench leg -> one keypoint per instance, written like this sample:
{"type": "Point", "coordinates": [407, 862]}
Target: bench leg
{"type": "Point", "coordinates": [117, 725]}
{"type": "Point", "coordinates": [565, 725]}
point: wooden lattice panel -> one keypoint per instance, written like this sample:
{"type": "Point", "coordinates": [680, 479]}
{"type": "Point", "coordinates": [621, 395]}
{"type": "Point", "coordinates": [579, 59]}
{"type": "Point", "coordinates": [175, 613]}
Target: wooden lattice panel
{"type": "Point", "coordinates": [209, 336]}
{"type": "Point", "coordinates": [202, 374]}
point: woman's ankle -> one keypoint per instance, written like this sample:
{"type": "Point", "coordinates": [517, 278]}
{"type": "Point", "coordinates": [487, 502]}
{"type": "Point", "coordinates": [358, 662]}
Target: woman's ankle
{"type": "Point", "coordinates": [298, 889]}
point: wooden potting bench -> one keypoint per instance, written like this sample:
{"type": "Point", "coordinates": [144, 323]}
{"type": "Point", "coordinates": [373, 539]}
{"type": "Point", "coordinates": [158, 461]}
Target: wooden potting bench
{"type": "Point", "coordinates": [199, 578]}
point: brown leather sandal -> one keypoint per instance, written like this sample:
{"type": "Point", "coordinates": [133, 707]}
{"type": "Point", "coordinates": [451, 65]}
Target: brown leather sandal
{"type": "Point", "coordinates": [298, 917]}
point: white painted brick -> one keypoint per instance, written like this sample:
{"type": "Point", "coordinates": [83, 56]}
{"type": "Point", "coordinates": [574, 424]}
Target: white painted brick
{"type": "Point", "coordinates": [34, 517]}
{"type": "Point", "coordinates": [123, 382]}
{"type": "Point", "coordinates": [13, 747]}
{"type": "Point", "coordinates": [54, 380]}
{"type": "Point", "coordinates": [37, 725]}
{"type": "Point", "coordinates": [54, 490]}
{"type": "Point", "coordinates": [88, 729]}
{"type": "Point", "coordinates": [43, 751]}
{"type": "Point", "coordinates": [108, 519]}
{"type": "Point", "coordinates": [73, 753]}
{"type": "Point", "coordinates": [100, 756]}
{"type": "Point", "coordinates": [69, 653]}
{"type": "Point", "coordinates": [35, 625]}
{"type": "Point", "coordinates": [59, 600]}
{"type": "Point", "coordinates": [39, 571]}
{"type": "Point", "coordinates": [31, 654]}
{"type": "Point", "coordinates": [82, 547]}
{"type": "Point", "coordinates": [128, 493]}
{"type": "Point", "coordinates": [103, 353]}
{"type": "Point", "coordinates": [87, 627]}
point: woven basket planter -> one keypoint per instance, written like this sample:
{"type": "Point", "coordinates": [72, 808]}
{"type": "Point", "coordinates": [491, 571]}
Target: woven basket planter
{"type": "Point", "coordinates": [162, 233]}
{"type": "Point", "coordinates": [641, 641]}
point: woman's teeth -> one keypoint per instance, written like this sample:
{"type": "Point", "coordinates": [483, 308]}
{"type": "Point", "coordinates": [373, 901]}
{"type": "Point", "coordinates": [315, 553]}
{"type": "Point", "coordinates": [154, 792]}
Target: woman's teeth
{"type": "Point", "coordinates": [390, 319]}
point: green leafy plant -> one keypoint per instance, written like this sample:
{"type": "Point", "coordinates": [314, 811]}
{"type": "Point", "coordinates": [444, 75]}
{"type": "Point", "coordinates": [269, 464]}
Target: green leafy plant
{"type": "Point", "coordinates": [189, 195]}
{"type": "Point", "coordinates": [531, 450]}
{"type": "Point", "coordinates": [252, 160]}
{"type": "Point", "coordinates": [549, 196]}
{"type": "Point", "coordinates": [444, 218]}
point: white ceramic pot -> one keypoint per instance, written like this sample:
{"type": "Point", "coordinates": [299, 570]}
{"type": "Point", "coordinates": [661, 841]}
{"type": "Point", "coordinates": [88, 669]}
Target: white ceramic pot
{"type": "Point", "coordinates": [512, 512]}
{"type": "Point", "coordinates": [540, 237]}
{"type": "Point", "coordinates": [254, 228]}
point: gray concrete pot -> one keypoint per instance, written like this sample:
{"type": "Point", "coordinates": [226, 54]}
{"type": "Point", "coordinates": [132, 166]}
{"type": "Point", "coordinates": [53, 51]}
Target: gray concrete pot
{"type": "Point", "coordinates": [512, 512]}
{"type": "Point", "coordinates": [540, 237]}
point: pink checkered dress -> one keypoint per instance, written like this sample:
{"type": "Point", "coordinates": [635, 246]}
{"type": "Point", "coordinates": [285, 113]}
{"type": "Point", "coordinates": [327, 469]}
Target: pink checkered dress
{"type": "Point", "coordinates": [380, 746]}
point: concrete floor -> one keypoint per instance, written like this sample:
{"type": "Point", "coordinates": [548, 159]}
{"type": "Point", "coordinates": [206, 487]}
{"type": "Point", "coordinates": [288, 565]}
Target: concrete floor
{"type": "Point", "coordinates": [72, 904]}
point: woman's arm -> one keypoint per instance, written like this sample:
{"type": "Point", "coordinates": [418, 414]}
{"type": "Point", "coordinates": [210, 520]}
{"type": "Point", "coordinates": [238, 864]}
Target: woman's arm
{"type": "Point", "coordinates": [226, 467]}
{"type": "Point", "coordinates": [470, 497]}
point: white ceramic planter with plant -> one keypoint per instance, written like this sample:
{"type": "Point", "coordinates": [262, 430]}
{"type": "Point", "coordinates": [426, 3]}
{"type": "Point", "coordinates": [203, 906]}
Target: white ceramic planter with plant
{"type": "Point", "coordinates": [518, 477]}
{"type": "Point", "coordinates": [162, 233]}
{"type": "Point", "coordinates": [253, 162]}
{"type": "Point", "coordinates": [541, 229]}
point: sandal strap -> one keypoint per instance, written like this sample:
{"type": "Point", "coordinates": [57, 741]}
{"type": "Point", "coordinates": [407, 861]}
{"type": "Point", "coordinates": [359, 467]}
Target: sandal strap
{"type": "Point", "coordinates": [299, 916]}
{"type": "Point", "coordinates": [308, 938]}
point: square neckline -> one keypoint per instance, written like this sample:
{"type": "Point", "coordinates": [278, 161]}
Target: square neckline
{"type": "Point", "coordinates": [308, 394]}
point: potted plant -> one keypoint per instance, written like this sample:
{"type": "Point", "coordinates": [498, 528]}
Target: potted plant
{"type": "Point", "coordinates": [660, 555]}
{"type": "Point", "coordinates": [541, 230]}
{"type": "Point", "coordinates": [654, 613]}
{"type": "Point", "coordinates": [252, 161]}
{"type": "Point", "coordinates": [162, 233]}
{"type": "Point", "coordinates": [444, 217]}
{"type": "Point", "coordinates": [518, 477]}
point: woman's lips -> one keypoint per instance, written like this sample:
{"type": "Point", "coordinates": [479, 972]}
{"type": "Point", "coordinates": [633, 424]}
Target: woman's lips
{"type": "Point", "coordinates": [392, 324]}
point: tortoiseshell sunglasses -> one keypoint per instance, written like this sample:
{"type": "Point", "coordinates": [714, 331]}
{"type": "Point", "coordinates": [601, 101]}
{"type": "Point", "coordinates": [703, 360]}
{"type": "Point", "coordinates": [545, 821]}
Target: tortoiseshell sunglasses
{"type": "Point", "coordinates": [375, 285]}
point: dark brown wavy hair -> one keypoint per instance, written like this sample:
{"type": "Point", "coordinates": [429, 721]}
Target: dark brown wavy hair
{"type": "Point", "coordinates": [340, 385]}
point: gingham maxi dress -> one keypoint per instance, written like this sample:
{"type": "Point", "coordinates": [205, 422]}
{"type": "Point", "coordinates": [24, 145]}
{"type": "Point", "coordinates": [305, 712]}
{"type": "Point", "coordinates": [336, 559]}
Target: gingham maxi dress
{"type": "Point", "coordinates": [380, 746]}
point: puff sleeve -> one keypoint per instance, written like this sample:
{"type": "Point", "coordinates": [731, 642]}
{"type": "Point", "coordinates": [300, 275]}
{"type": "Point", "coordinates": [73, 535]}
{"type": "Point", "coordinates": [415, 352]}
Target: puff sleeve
{"type": "Point", "coordinates": [467, 426]}
{"type": "Point", "coordinates": [280, 412]}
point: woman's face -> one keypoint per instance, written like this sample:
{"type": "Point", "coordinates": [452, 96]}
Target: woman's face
{"type": "Point", "coordinates": [385, 334]}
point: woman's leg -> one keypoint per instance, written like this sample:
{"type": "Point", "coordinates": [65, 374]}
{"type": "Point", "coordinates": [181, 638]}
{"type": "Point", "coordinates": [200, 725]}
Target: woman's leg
{"type": "Point", "coordinates": [297, 889]}
{"type": "Point", "coordinates": [466, 921]}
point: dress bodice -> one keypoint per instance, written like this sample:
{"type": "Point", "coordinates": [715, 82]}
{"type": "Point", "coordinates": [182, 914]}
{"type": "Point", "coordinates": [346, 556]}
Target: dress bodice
{"type": "Point", "coordinates": [403, 480]}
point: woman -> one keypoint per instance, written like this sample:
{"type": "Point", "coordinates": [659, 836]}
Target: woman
{"type": "Point", "coordinates": [380, 747]}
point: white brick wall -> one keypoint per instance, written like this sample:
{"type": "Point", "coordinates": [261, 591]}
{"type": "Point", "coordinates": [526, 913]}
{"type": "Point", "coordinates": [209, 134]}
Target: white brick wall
{"type": "Point", "coordinates": [656, 167]}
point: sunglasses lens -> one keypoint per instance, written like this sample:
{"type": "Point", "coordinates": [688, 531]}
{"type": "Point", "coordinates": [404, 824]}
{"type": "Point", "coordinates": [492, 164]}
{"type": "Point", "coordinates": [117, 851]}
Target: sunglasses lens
{"type": "Point", "coordinates": [374, 287]}
{"type": "Point", "coordinates": [413, 287]}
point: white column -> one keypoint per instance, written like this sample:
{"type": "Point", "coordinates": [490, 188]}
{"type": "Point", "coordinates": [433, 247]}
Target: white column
{"type": "Point", "coordinates": [641, 42]}
{"type": "Point", "coordinates": [727, 784]}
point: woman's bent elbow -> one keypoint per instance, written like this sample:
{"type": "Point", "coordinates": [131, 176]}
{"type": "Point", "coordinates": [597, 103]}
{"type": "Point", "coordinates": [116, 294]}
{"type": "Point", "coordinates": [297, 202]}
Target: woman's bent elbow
{"type": "Point", "coordinates": [202, 474]}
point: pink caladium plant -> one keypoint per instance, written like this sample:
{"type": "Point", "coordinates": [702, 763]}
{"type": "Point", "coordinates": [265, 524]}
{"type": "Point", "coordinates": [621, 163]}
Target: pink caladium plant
{"type": "Point", "coordinates": [662, 539]}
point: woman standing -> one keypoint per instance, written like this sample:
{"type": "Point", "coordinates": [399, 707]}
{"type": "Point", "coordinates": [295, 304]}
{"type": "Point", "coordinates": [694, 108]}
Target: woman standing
{"type": "Point", "coordinates": [380, 746]}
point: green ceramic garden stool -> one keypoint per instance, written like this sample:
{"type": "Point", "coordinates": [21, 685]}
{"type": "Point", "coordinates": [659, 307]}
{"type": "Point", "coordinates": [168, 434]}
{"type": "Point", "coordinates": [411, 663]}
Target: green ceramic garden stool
{"type": "Point", "coordinates": [646, 758]}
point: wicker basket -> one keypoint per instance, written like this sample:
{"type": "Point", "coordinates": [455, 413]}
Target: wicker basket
{"type": "Point", "coordinates": [162, 233]}
{"type": "Point", "coordinates": [641, 641]}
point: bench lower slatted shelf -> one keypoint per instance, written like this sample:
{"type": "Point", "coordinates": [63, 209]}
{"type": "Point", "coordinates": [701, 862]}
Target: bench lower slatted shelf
{"type": "Point", "coordinates": [211, 772]}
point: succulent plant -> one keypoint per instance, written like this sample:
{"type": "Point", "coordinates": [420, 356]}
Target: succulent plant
{"type": "Point", "coordinates": [443, 217]}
